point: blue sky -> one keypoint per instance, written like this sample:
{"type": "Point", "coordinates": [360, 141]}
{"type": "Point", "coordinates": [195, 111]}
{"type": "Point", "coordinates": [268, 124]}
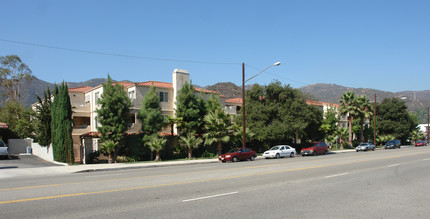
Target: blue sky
{"type": "Point", "coordinates": [380, 44]}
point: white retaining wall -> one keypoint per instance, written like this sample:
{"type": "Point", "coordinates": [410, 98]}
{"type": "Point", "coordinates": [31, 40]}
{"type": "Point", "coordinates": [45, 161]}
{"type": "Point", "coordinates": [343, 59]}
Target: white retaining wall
{"type": "Point", "coordinates": [44, 152]}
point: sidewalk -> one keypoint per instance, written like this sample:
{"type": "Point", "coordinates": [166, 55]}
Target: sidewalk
{"type": "Point", "coordinates": [82, 168]}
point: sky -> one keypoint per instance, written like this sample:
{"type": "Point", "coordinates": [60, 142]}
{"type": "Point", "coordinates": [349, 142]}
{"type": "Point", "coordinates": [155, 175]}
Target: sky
{"type": "Point", "coordinates": [379, 44]}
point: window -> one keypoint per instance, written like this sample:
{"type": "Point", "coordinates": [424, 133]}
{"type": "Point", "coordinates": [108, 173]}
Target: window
{"type": "Point", "coordinates": [131, 95]}
{"type": "Point", "coordinates": [87, 99]}
{"type": "Point", "coordinates": [164, 97]}
{"type": "Point", "coordinates": [96, 97]}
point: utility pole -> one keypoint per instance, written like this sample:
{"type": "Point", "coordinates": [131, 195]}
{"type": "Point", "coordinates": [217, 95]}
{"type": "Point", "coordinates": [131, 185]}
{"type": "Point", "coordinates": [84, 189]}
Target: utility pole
{"type": "Point", "coordinates": [243, 107]}
{"type": "Point", "coordinates": [374, 123]}
{"type": "Point", "coordinates": [428, 126]}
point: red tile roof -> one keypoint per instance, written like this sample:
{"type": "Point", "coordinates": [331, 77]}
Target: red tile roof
{"type": "Point", "coordinates": [80, 89]}
{"type": "Point", "coordinates": [155, 83]}
{"type": "Point", "coordinates": [234, 100]}
{"type": "Point", "coordinates": [208, 91]}
{"type": "Point", "coordinates": [3, 125]}
{"type": "Point", "coordinates": [320, 103]}
{"type": "Point", "coordinates": [124, 83]}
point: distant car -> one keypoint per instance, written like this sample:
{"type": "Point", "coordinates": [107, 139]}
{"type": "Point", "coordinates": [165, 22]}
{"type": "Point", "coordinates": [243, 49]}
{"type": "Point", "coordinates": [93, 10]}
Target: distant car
{"type": "Point", "coordinates": [420, 143]}
{"type": "Point", "coordinates": [365, 147]}
{"type": "Point", "coordinates": [392, 144]}
{"type": "Point", "coordinates": [280, 151]}
{"type": "Point", "coordinates": [236, 154]}
{"type": "Point", "coordinates": [317, 148]}
{"type": "Point", "coordinates": [4, 150]}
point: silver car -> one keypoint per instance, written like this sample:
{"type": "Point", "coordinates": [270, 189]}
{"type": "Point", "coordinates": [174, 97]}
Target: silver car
{"type": "Point", "coordinates": [365, 147]}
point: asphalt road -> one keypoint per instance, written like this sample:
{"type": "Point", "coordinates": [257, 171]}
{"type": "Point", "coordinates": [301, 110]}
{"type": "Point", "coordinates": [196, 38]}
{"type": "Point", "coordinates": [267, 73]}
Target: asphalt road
{"type": "Point", "coordinates": [374, 184]}
{"type": "Point", "coordinates": [24, 161]}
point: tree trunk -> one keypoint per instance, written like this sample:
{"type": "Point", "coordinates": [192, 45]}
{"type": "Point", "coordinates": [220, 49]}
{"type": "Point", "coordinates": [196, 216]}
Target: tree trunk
{"type": "Point", "coordinates": [157, 156]}
{"type": "Point", "coordinates": [110, 158]}
{"type": "Point", "coordinates": [362, 131]}
{"type": "Point", "coordinates": [219, 148]}
{"type": "Point", "coordinates": [350, 133]}
{"type": "Point", "coordinates": [189, 153]}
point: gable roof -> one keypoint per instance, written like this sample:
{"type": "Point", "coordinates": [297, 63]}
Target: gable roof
{"type": "Point", "coordinates": [157, 84]}
{"type": "Point", "coordinates": [234, 100]}
{"type": "Point", "coordinates": [80, 89]}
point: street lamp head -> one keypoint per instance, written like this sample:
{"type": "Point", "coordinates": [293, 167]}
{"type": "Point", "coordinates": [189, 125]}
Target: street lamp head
{"type": "Point", "coordinates": [277, 63]}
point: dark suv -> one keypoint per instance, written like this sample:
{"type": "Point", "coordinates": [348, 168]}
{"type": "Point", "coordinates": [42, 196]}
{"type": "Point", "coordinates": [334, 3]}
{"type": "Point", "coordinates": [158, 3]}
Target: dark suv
{"type": "Point", "coordinates": [317, 148]}
{"type": "Point", "coordinates": [392, 144]}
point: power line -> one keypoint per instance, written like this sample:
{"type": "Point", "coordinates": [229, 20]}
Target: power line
{"type": "Point", "coordinates": [118, 55]}
{"type": "Point", "coordinates": [279, 76]}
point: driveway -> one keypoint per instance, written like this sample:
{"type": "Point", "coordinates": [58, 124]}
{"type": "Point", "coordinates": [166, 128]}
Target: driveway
{"type": "Point", "coordinates": [24, 161]}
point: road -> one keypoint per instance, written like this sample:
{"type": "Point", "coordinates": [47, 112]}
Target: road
{"type": "Point", "coordinates": [374, 184]}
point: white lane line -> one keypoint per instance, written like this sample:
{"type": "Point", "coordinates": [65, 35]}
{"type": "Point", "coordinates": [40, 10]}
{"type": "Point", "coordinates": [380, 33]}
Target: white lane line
{"type": "Point", "coordinates": [336, 175]}
{"type": "Point", "coordinates": [393, 165]}
{"type": "Point", "coordinates": [427, 159]}
{"type": "Point", "coordinates": [212, 196]}
{"type": "Point", "coordinates": [103, 175]}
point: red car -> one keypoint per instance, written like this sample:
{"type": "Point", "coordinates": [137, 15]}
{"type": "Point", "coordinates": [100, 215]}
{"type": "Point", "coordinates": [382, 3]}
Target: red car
{"type": "Point", "coordinates": [317, 148]}
{"type": "Point", "coordinates": [236, 154]}
{"type": "Point", "coordinates": [420, 143]}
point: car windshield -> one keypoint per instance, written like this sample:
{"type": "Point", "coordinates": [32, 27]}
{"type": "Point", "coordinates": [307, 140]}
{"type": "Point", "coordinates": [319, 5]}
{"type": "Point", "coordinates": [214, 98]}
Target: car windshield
{"type": "Point", "coordinates": [363, 144]}
{"type": "Point", "coordinates": [233, 150]}
{"type": "Point", "coordinates": [274, 148]}
{"type": "Point", "coordinates": [390, 142]}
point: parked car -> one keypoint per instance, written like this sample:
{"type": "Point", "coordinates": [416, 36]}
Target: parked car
{"type": "Point", "coordinates": [236, 154]}
{"type": "Point", "coordinates": [317, 148]}
{"type": "Point", "coordinates": [365, 147]}
{"type": "Point", "coordinates": [4, 150]}
{"type": "Point", "coordinates": [420, 143]}
{"type": "Point", "coordinates": [280, 151]}
{"type": "Point", "coordinates": [392, 144]}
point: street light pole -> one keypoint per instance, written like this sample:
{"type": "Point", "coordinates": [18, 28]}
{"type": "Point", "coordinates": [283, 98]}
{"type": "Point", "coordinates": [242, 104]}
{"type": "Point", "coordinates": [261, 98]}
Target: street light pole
{"type": "Point", "coordinates": [243, 99]}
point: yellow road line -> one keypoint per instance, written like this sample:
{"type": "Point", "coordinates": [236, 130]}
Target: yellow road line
{"type": "Point", "coordinates": [193, 181]}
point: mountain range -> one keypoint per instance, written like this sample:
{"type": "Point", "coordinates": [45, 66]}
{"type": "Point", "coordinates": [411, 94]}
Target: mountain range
{"type": "Point", "coordinates": [417, 101]}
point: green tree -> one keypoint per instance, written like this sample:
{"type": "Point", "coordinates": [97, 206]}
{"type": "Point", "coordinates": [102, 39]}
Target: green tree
{"type": "Point", "coordinates": [238, 133]}
{"type": "Point", "coordinates": [394, 119]}
{"type": "Point", "coordinates": [156, 144]}
{"type": "Point", "coordinates": [191, 109]}
{"type": "Point", "coordinates": [114, 112]}
{"type": "Point", "coordinates": [213, 103]}
{"type": "Point", "coordinates": [342, 135]}
{"type": "Point", "coordinates": [190, 141]}
{"type": "Point", "coordinates": [217, 126]}
{"type": "Point", "coordinates": [14, 75]}
{"type": "Point", "coordinates": [108, 147]}
{"type": "Point", "coordinates": [330, 121]}
{"type": "Point", "coordinates": [61, 125]}
{"type": "Point", "coordinates": [348, 105]}
{"type": "Point", "coordinates": [150, 113]}
{"type": "Point", "coordinates": [43, 118]}
{"type": "Point", "coordinates": [364, 112]}
{"type": "Point", "coordinates": [11, 113]}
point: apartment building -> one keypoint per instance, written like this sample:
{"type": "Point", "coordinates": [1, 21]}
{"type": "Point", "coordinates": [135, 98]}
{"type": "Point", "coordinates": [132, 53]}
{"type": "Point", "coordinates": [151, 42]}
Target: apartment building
{"type": "Point", "coordinates": [84, 101]}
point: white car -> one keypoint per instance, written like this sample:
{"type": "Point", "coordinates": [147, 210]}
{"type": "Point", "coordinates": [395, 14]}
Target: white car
{"type": "Point", "coordinates": [280, 151]}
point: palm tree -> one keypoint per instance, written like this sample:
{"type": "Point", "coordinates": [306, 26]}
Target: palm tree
{"type": "Point", "coordinates": [191, 141]}
{"type": "Point", "coordinates": [171, 121]}
{"type": "Point", "coordinates": [108, 147]}
{"type": "Point", "coordinates": [217, 126]}
{"type": "Point", "coordinates": [238, 133]}
{"type": "Point", "coordinates": [348, 105]}
{"type": "Point", "coordinates": [342, 134]}
{"type": "Point", "coordinates": [156, 144]}
{"type": "Point", "coordinates": [364, 112]}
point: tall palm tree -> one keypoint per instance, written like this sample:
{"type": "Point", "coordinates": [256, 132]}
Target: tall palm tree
{"type": "Point", "coordinates": [156, 144]}
{"type": "Point", "coordinates": [341, 134]}
{"type": "Point", "coordinates": [108, 146]}
{"type": "Point", "coordinates": [348, 106]}
{"type": "Point", "coordinates": [364, 112]}
{"type": "Point", "coordinates": [217, 126]}
{"type": "Point", "coordinates": [191, 141]}
{"type": "Point", "coordinates": [238, 133]}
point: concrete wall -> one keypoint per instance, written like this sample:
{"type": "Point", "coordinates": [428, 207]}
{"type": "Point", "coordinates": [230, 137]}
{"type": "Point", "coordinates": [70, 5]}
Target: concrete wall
{"type": "Point", "coordinates": [44, 152]}
{"type": "Point", "coordinates": [17, 146]}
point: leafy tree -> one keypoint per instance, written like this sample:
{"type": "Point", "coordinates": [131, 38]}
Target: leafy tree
{"type": "Point", "coordinates": [394, 119]}
{"type": "Point", "coordinates": [24, 127]}
{"type": "Point", "coordinates": [190, 141]}
{"type": "Point", "coordinates": [61, 125]}
{"type": "Point", "coordinates": [113, 113]}
{"type": "Point", "coordinates": [156, 144]}
{"type": "Point", "coordinates": [342, 134]}
{"type": "Point", "coordinates": [279, 115]}
{"type": "Point", "coordinates": [238, 133]}
{"type": "Point", "coordinates": [108, 147]}
{"type": "Point", "coordinates": [329, 123]}
{"type": "Point", "coordinates": [43, 118]}
{"type": "Point", "coordinates": [213, 103]}
{"type": "Point", "coordinates": [217, 126]}
{"type": "Point", "coordinates": [14, 74]}
{"type": "Point", "coordinates": [348, 105]}
{"type": "Point", "coordinates": [150, 113]}
{"type": "Point", "coordinates": [364, 111]}
{"type": "Point", "coordinates": [11, 113]}
{"type": "Point", "coordinates": [191, 109]}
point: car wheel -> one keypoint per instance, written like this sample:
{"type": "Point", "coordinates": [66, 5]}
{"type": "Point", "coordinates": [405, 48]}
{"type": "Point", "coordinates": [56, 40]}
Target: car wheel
{"type": "Point", "coordinates": [303, 155]}
{"type": "Point", "coordinates": [223, 161]}
{"type": "Point", "coordinates": [325, 152]}
{"type": "Point", "coordinates": [234, 159]}
{"type": "Point", "coordinates": [357, 150]}
{"type": "Point", "coordinates": [278, 156]}
{"type": "Point", "coordinates": [252, 158]}
{"type": "Point", "coordinates": [292, 154]}
{"type": "Point", "coordinates": [315, 153]}
{"type": "Point", "coordinates": [373, 149]}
